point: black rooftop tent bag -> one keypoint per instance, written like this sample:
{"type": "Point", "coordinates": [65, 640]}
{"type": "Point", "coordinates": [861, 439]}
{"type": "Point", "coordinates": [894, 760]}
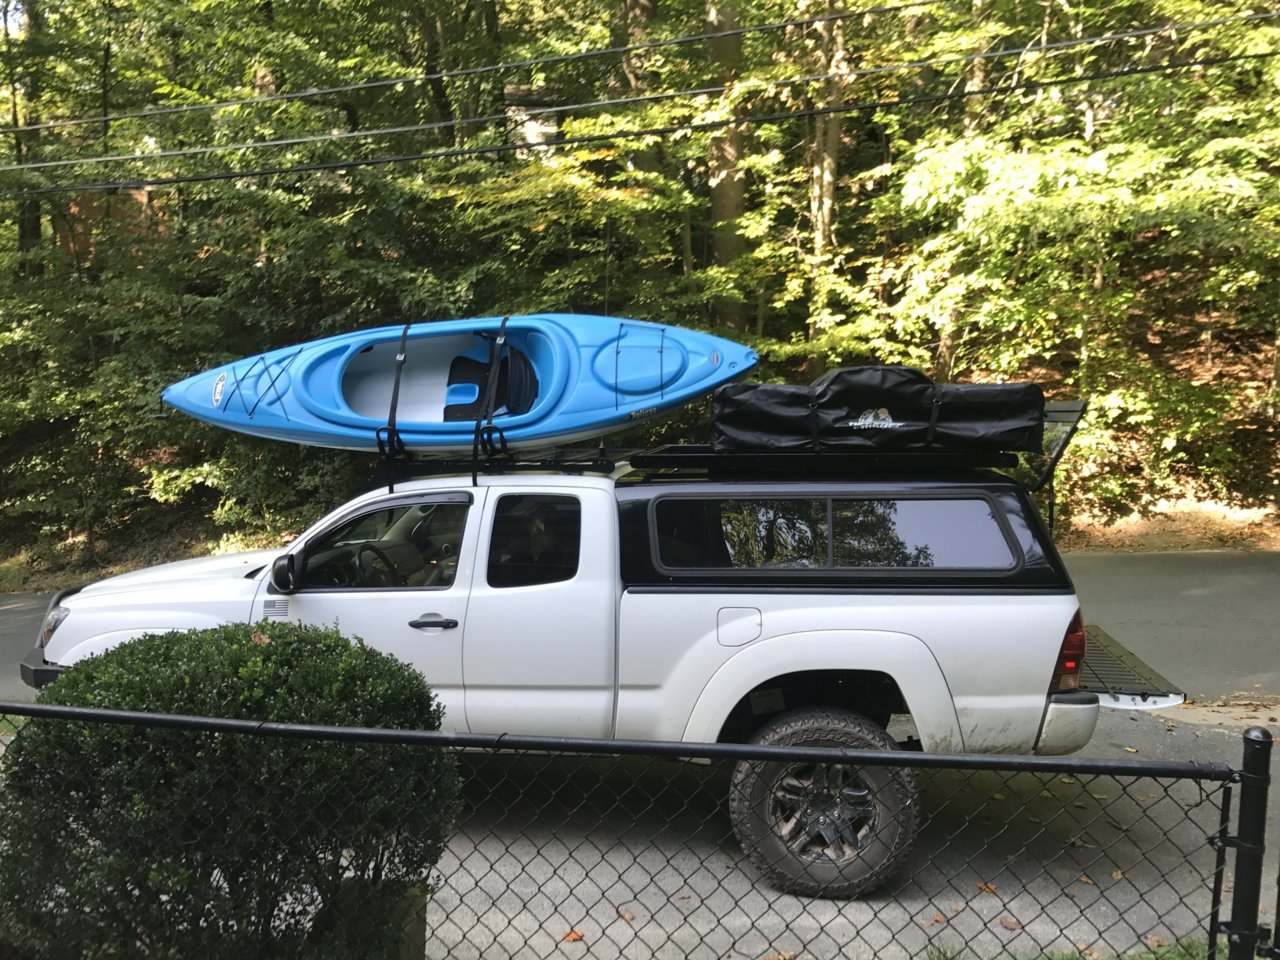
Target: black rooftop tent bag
{"type": "Point", "coordinates": [870, 409]}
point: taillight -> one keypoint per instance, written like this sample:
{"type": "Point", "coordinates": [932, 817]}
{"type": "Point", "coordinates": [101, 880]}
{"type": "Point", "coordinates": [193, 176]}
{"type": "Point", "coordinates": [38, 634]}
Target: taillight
{"type": "Point", "coordinates": [1066, 673]}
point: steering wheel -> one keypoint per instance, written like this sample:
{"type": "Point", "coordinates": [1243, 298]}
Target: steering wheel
{"type": "Point", "coordinates": [370, 575]}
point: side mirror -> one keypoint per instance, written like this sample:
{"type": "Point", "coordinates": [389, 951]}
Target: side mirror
{"type": "Point", "coordinates": [284, 575]}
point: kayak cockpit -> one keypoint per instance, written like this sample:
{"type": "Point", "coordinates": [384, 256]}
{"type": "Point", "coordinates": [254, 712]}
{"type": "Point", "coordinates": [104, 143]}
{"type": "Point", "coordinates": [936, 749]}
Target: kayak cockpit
{"type": "Point", "coordinates": [444, 379]}
{"type": "Point", "coordinates": [515, 391]}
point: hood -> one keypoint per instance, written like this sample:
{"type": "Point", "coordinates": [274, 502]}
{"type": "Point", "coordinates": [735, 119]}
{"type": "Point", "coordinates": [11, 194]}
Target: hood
{"type": "Point", "coordinates": [227, 566]}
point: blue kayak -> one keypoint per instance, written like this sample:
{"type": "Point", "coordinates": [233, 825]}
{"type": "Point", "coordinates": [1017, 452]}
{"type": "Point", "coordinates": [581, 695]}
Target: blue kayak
{"type": "Point", "coordinates": [541, 380]}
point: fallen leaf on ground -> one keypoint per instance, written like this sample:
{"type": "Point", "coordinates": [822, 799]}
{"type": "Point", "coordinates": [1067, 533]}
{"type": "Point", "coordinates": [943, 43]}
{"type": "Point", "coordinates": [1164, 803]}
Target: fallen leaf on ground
{"type": "Point", "coordinates": [784, 955]}
{"type": "Point", "coordinates": [986, 887]}
{"type": "Point", "coordinates": [1068, 780]}
{"type": "Point", "coordinates": [626, 914]}
{"type": "Point", "coordinates": [1090, 954]}
{"type": "Point", "coordinates": [1084, 878]}
{"type": "Point", "coordinates": [1130, 749]}
{"type": "Point", "coordinates": [997, 796]}
{"type": "Point", "coordinates": [1117, 874]}
{"type": "Point", "coordinates": [573, 936]}
{"type": "Point", "coordinates": [930, 921]}
{"type": "Point", "coordinates": [1010, 924]}
{"type": "Point", "coordinates": [1153, 942]}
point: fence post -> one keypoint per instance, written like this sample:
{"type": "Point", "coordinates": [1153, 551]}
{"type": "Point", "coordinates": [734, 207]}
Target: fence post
{"type": "Point", "coordinates": [1251, 830]}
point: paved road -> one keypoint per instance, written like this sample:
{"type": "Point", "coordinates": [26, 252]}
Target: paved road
{"type": "Point", "coordinates": [20, 615]}
{"type": "Point", "coordinates": [1207, 620]}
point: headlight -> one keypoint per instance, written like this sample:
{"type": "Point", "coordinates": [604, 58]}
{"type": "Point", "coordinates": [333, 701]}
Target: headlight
{"type": "Point", "coordinates": [51, 623]}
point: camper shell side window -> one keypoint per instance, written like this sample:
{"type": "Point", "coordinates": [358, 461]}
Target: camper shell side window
{"type": "Point", "coordinates": [833, 532]}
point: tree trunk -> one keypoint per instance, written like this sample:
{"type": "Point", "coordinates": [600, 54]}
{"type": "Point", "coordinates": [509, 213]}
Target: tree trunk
{"type": "Point", "coordinates": [433, 43]}
{"type": "Point", "coordinates": [823, 172]}
{"type": "Point", "coordinates": [632, 23]}
{"type": "Point", "coordinates": [727, 181]}
{"type": "Point", "coordinates": [976, 78]}
{"type": "Point", "coordinates": [1275, 374]}
{"type": "Point", "coordinates": [30, 219]}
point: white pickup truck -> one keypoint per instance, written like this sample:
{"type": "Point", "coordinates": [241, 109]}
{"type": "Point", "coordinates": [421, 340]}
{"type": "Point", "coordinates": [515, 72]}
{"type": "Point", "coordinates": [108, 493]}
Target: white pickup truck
{"type": "Point", "coordinates": [646, 602]}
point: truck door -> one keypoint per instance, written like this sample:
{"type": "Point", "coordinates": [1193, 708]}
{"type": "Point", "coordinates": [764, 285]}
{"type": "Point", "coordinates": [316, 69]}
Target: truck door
{"type": "Point", "coordinates": [396, 574]}
{"type": "Point", "coordinates": [539, 650]}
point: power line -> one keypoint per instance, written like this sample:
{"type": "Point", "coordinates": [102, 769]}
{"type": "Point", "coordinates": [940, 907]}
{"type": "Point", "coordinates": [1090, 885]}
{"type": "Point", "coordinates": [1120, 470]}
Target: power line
{"type": "Point", "coordinates": [1053, 46]}
{"type": "Point", "coordinates": [474, 71]}
{"type": "Point", "coordinates": [631, 134]}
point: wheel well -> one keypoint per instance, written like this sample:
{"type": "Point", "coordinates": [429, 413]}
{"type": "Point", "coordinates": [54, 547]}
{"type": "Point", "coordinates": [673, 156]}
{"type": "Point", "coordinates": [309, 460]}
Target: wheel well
{"type": "Point", "coordinates": [871, 693]}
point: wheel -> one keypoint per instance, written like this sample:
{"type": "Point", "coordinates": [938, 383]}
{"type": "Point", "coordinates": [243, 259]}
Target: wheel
{"type": "Point", "coordinates": [823, 830]}
{"type": "Point", "coordinates": [381, 574]}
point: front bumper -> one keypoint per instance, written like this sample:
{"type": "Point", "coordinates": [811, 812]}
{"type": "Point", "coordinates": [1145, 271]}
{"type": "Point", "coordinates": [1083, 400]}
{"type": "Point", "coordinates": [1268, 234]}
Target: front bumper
{"type": "Point", "coordinates": [38, 672]}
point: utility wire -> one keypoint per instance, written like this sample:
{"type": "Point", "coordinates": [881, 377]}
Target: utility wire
{"type": "Point", "coordinates": [476, 71]}
{"type": "Point", "coordinates": [632, 134]}
{"type": "Point", "coordinates": [1053, 46]}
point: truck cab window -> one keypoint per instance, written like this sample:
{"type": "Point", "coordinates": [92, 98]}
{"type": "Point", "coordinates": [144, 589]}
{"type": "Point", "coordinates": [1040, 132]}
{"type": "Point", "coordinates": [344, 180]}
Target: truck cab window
{"type": "Point", "coordinates": [408, 545]}
{"type": "Point", "coordinates": [536, 539]}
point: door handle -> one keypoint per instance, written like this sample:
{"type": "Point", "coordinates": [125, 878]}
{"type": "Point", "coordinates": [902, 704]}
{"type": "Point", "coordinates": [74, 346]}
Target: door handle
{"type": "Point", "coordinates": [440, 624]}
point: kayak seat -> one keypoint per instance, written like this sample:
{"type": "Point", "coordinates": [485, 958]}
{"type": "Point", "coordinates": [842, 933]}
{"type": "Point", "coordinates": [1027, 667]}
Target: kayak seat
{"type": "Point", "coordinates": [469, 379]}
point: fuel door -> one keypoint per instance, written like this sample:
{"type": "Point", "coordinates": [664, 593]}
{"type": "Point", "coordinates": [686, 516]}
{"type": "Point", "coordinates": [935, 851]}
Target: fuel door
{"type": "Point", "coordinates": [736, 626]}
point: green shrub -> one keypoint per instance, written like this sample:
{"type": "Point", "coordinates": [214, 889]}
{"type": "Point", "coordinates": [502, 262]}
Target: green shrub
{"type": "Point", "coordinates": [120, 841]}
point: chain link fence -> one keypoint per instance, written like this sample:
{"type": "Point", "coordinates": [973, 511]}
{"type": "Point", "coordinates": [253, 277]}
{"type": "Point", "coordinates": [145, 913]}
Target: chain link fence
{"type": "Point", "coordinates": [610, 849]}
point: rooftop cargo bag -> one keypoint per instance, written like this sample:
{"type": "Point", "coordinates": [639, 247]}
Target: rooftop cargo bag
{"type": "Point", "coordinates": [870, 409]}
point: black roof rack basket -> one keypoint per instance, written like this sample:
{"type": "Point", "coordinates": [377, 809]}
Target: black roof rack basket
{"type": "Point", "coordinates": [1034, 469]}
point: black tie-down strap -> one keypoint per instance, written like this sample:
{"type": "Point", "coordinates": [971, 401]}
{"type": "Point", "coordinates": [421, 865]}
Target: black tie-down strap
{"type": "Point", "coordinates": [488, 439]}
{"type": "Point", "coordinates": [390, 443]}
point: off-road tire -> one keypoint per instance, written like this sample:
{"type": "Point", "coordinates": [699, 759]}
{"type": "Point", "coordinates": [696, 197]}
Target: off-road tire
{"type": "Point", "coordinates": [823, 830]}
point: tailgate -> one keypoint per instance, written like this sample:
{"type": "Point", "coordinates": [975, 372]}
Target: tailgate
{"type": "Point", "coordinates": [1121, 680]}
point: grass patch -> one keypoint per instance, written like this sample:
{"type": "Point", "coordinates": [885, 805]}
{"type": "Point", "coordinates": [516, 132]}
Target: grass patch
{"type": "Point", "coordinates": [9, 726]}
{"type": "Point", "coordinates": [14, 571]}
{"type": "Point", "coordinates": [34, 564]}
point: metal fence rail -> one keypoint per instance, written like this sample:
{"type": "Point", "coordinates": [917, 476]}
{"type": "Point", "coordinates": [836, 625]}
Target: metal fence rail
{"type": "Point", "coordinates": [571, 848]}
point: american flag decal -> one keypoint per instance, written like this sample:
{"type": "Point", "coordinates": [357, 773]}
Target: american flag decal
{"type": "Point", "coordinates": [275, 609]}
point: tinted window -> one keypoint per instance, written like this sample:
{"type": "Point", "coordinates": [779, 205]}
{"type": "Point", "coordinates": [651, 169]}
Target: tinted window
{"type": "Point", "coordinates": [937, 534]}
{"type": "Point", "coordinates": [760, 533]}
{"type": "Point", "coordinates": [409, 545]}
{"type": "Point", "coordinates": [763, 533]}
{"type": "Point", "coordinates": [536, 539]}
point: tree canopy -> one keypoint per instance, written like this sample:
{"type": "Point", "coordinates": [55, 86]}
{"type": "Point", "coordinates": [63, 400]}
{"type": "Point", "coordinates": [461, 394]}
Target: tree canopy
{"type": "Point", "coordinates": [1083, 194]}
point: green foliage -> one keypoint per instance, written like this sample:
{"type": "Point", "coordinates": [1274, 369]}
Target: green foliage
{"type": "Point", "coordinates": [1114, 238]}
{"type": "Point", "coordinates": [120, 841]}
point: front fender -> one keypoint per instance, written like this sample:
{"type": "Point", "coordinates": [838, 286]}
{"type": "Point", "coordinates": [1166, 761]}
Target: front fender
{"type": "Point", "coordinates": [901, 656]}
{"type": "Point", "coordinates": [102, 642]}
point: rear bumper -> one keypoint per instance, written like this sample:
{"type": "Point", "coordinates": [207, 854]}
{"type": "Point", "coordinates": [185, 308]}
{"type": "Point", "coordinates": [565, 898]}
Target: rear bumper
{"type": "Point", "coordinates": [1069, 722]}
{"type": "Point", "coordinates": [38, 672]}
